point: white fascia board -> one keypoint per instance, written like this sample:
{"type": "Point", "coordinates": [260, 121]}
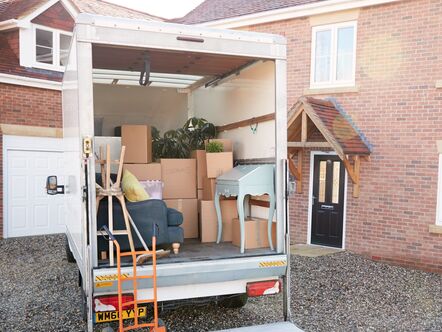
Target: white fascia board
{"type": "Point", "coordinates": [8, 24]}
{"type": "Point", "coordinates": [317, 8]}
{"type": "Point", "coordinates": [70, 8]}
{"type": "Point", "coordinates": [30, 82]}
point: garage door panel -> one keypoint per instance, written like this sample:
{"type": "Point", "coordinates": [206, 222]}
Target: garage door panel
{"type": "Point", "coordinates": [41, 215]}
{"type": "Point", "coordinates": [19, 216]}
{"type": "Point", "coordinates": [18, 187]}
{"type": "Point", "coordinates": [16, 162]}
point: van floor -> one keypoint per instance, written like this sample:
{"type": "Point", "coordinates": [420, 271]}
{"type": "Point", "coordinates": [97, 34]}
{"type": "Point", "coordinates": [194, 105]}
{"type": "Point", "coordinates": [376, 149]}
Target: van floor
{"type": "Point", "coordinates": [193, 250]}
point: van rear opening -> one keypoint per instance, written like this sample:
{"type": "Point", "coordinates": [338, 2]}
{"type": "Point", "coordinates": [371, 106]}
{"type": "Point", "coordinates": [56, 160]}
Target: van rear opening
{"type": "Point", "coordinates": [180, 85]}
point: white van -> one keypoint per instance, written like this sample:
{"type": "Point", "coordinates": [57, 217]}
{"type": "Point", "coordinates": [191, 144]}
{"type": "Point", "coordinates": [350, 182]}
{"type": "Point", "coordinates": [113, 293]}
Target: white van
{"type": "Point", "coordinates": [220, 75]}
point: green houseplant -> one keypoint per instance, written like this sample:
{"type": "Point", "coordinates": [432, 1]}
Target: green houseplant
{"type": "Point", "coordinates": [180, 142]}
{"type": "Point", "coordinates": [214, 147]}
{"type": "Point", "coordinates": [198, 130]}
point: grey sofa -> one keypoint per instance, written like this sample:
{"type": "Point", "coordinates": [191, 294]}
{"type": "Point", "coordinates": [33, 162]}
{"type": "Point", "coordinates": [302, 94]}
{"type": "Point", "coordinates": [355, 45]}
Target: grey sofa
{"type": "Point", "coordinates": [144, 214]}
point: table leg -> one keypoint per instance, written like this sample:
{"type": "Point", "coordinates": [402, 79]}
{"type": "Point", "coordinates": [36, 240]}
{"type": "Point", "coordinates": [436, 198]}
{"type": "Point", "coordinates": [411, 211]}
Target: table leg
{"type": "Point", "coordinates": [240, 206]}
{"type": "Point", "coordinates": [269, 224]}
{"type": "Point", "coordinates": [219, 217]}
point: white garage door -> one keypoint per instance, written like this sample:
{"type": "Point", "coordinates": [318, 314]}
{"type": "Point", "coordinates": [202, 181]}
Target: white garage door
{"type": "Point", "coordinates": [29, 210]}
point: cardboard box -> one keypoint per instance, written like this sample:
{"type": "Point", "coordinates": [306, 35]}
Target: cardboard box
{"type": "Point", "coordinates": [255, 233]}
{"type": "Point", "coordinates": [201, 167]}
{"type": "Point", "coordinates": [208, 221]}
{"type": "Point", "coordinates": [218, 163]}
{"type": "Point", "coordinates": [145, 171]}
{"type": "Point", "coordinates": [209, 189]}
{"type": "Point", "coordinates": [200, 194]}
{"type": "Point", "coordinates": [138, 142]}
{"type": "Point", "coordinates": [179, 178]}
{"type": "Point", "coordinates": [227, 143]}
{"type": "Point", "coordinates": [189, 209]}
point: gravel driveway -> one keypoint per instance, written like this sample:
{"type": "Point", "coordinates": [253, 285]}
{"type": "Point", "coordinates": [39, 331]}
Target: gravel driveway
{"type": "Point", "coordinates": [340, 292]}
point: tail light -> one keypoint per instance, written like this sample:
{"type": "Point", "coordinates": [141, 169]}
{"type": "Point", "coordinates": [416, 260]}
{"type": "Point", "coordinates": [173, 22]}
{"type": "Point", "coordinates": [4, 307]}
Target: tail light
{"type": "Point", "coordinates": [110, 302]}
{"type": "Point", "coordinates": [260, 288]}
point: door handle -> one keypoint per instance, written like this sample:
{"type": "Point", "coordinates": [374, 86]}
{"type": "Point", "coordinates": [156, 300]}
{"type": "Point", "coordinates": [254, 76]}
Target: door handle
{"type": "Point", "coordinates": [327, 207]}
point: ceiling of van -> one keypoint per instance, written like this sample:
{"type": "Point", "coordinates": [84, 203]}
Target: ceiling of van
{"type": "Point", "coordinates": [167, 62]}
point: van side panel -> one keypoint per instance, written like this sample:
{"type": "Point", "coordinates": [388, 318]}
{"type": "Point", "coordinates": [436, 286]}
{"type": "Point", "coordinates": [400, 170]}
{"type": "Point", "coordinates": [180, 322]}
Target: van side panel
{"type": "Point", "coordinates": [75, 218]}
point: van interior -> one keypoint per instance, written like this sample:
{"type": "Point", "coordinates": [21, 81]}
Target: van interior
{"type": "Point", "coordinates": [163, 89]}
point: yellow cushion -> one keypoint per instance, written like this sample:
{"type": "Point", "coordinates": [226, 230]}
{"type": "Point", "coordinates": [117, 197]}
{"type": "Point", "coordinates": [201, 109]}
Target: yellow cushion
{"type": "Point", "coordinates": [132, 188]}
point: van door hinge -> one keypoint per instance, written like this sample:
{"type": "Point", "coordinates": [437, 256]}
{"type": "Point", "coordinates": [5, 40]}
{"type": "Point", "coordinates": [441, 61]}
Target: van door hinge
{"type": "Point", "coordinates": [87, 146]}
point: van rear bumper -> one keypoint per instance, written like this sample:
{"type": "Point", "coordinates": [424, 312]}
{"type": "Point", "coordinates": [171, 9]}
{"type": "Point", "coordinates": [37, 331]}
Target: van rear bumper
{"type": "Point", "coordinates": [236, 271]}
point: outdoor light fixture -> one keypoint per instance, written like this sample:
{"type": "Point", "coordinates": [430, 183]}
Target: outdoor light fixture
{"type": "Point", "coordinates": [145, 73]}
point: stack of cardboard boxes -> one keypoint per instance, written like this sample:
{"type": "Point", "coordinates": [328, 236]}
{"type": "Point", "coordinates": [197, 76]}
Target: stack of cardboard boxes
{"type": "Point", "coordinates": [177, 175]}
{"type": "Point", "coordinates": [210, 166]}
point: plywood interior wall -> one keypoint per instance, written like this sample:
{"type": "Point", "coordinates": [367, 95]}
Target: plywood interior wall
{"type": "Point", "coordinates": [250, 94]}
{"type": "Point", "coordinates": [163, 108]}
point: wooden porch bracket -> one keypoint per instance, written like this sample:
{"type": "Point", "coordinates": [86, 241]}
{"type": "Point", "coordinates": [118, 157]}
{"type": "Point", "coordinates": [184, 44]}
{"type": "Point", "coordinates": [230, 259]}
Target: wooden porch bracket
{"type": "Point", "coordinates": [353, 172]}
{"type": "Point", "coordinates": [296, 170]}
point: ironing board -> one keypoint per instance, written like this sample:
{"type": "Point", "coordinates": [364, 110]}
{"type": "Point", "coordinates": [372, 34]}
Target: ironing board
{"type": "Point", "coordinates": [241, 181]}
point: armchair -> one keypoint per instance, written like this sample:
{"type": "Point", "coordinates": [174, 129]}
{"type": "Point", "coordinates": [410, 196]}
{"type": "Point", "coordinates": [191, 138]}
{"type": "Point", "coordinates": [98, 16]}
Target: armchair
{"type": "Point", "coordinates": [144, 214]}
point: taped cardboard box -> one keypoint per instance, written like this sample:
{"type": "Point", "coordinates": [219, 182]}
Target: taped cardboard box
{"type": "Point", "coordinates": [255, 233]}
{"type": "Point", "coordinates": [209, 189]}
{"type": "Point", "coordinates": [227, 143]}
{"type": "Point", "coordinates": [189, 209]}
{"type": "Point", "coordinates": [218, 163]}
{"type": "Point", "coordinates": [179, 178]}
{"type": "Point", "coordinates": [138, 142]}
{"type": "Point", "coordinates": [145, 171]}
{"type": "Point", "coordinates": [201, 167]}
{"type": "Point", "coordinates": [208, 221]}
{"type": "Point", "coordinates": [200, 194]}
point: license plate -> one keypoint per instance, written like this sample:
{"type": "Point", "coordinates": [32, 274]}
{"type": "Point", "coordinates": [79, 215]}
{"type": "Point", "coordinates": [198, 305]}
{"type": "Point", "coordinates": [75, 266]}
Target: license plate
{"type": "Point", "coordinates": [108, 316]}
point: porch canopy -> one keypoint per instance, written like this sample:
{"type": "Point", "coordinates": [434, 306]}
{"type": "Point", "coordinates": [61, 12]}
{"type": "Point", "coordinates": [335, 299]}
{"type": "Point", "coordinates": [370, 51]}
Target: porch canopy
{"type": "Point", "coordinates": [320, 124]}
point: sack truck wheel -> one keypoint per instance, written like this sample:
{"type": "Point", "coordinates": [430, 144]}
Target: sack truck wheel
{"type": "Point", "coordinates": [69, 256]}
{"type": "Point", "coordinates": [234, 301]}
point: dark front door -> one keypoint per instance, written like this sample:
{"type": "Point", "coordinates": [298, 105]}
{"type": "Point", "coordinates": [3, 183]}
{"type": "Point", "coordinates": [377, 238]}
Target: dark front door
{"type": "Point", "coordinates": [328, 201]}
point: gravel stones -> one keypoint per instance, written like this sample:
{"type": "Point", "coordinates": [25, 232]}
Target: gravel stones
{"type": "Point", "coordinates": [340, 292]}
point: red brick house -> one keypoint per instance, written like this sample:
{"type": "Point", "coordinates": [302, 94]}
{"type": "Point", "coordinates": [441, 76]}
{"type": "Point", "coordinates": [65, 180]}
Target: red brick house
{"type": "Point", "coordinates": [34, 39]}
{"type": "Point", "coordinates": [381, 62]}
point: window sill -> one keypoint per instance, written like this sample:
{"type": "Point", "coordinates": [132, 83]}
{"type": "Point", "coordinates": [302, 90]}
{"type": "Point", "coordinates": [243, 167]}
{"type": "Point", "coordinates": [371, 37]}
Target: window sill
{"type": "Point", "coordinates": [330, 90]}
{"type": "Point", "coordinates": [435, 229]}
{"type": "Point", "coordinates": [439, 84]}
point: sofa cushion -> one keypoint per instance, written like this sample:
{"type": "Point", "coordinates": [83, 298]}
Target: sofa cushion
{"type": "Point", "coordinates": [133, 190]}
{"type": "Point", "coordinates": [174, 217]}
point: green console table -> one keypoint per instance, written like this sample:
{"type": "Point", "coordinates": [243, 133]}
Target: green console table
{"type": "Point", "coordinates": [241, 181]}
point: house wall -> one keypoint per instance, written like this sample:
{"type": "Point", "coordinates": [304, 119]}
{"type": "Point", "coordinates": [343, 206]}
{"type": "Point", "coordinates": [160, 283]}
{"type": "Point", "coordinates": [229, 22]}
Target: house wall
{"type": "Point", "coordinates": [398, 108]}
{"type": "Point", "coordinates": [56, 17]}
{"type": "Point", "coordinates": [26, 106]}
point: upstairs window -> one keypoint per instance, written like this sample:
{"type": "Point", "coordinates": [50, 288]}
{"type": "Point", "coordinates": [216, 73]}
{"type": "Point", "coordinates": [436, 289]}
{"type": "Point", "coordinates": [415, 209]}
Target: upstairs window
{"type": "Point", "coordinates": [333, 55]}
{"type": "Point", "coordinates": [51, 48]}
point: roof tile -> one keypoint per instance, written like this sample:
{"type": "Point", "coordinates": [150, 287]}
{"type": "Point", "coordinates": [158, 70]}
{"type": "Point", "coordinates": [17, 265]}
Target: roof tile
{"type": "Point", "coordinates": [212, 10]}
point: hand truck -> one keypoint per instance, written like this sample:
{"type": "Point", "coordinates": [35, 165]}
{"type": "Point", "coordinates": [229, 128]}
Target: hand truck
{"type": "Point", "coordinates": [154, 325]}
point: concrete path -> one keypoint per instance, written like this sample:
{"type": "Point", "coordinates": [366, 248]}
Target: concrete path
{"type": "Point", "coordinates": [308, 250]}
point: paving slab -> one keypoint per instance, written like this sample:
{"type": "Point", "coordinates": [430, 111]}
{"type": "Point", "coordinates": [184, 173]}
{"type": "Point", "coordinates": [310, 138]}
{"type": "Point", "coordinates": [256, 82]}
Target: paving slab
{"type": "Point", "coordinates": [308, 250]}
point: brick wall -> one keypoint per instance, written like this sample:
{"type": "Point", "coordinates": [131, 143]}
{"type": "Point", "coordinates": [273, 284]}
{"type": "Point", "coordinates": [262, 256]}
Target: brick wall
{"type": "Point", "coordinates": [13, 41]}
{"type": "Point", "coordinates": [30, 107]}
{"type": "Point", "coordinates": [56, 17]}
{"type": "Point", "coordinates": [398, 108]}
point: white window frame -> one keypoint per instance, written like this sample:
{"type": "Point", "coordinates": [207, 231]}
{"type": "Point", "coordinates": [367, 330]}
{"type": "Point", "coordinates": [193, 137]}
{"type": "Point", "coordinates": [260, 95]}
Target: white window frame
{"type": "Point", "coordinates": [439, 193]}
{"type": "Point", "coordinates": [333, 83]}
{"type": "Point", "coordinates": [55, 47]}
